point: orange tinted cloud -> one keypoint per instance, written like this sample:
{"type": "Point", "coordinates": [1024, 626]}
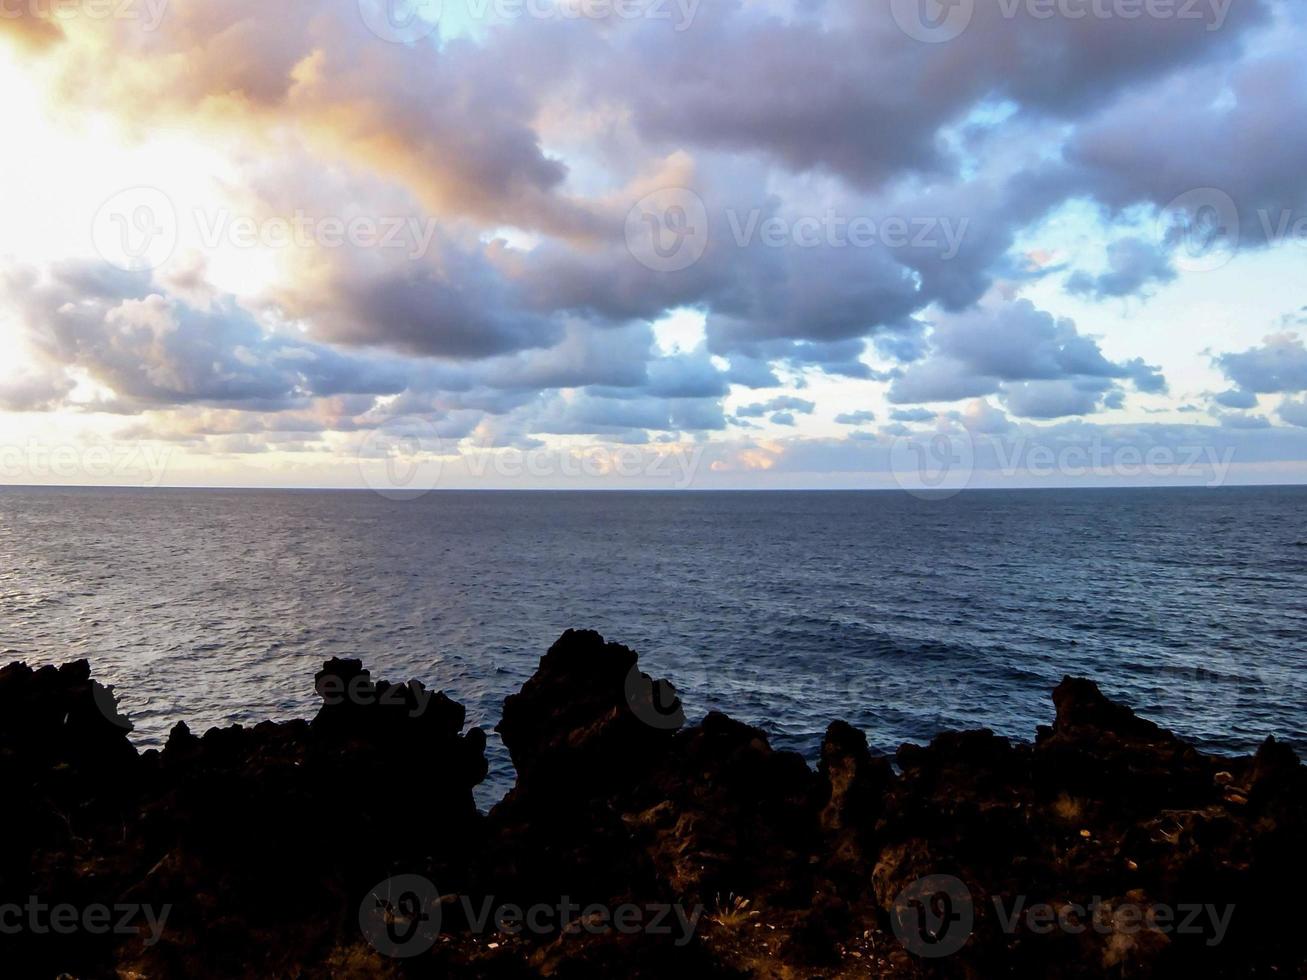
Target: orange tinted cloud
{"type": "Point", "coordinates": [451, 125]}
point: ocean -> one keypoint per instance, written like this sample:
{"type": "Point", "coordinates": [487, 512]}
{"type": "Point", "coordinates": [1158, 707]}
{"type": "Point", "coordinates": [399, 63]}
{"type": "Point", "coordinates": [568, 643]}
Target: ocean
{"type": "Point", "coordinates": [904, 616]}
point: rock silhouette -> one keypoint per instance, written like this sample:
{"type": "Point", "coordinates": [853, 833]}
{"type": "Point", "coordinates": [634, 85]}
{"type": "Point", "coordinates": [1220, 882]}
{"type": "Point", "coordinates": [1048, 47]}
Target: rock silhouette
{"type": "Point", "coordinates": [274, 848]}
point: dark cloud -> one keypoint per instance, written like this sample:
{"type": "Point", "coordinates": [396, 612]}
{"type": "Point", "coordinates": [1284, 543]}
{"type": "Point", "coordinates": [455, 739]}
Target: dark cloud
{"type": "Point", "coordinates": [1229, 132]}
{"type": "Point", "coordinates": [558, 128]}
{"type": "Point", "coordinates": [464, 310]}
{"type": "Point", "coordinates": [912, 415]}
{"type": "Point", "coordinates": [686, 376]}
{"type": "Point", "coordinates": [1293, 412]}
{"type": "Point", "coordinates": [1236, 398]}
{"type": "Point", "coordinates": [783, 403]}
{"type": "Point", "coordinates": [1145, 377]}
{"type": "Point", "coordinates": [751, 372]}
{"type": "Point", "coordinates": [861, 417]}
{"type": "Point", "coordinates": [1043, 366]}
{"type": "Point", "coordinates": [863, 101]}
{"type": "Point", "coordinates": [619, 357]}
{"type": "Point", "coordinates": [842, 358]}
{"type": "Point", "coordinates": [1133, 265]}
{"type": "Point", "coordinates": [941, 379]}
{"type": "Point", "coordinates": [1056, 399]}
{"type": "Point", "coordinates": [906, 342]}
{"type": "Point", "coordinates": [28, 391]}
{"type": "Point", "coordinates": [1279, 365]}
{"type": "Point", "coordinates": [813, 305]}
{"type": "Point", "coordinates": [1020, 342]}
{"type": "Point", "coordinates": [151, 349]}
{"type": "Point", "coordinates": [226, 374]}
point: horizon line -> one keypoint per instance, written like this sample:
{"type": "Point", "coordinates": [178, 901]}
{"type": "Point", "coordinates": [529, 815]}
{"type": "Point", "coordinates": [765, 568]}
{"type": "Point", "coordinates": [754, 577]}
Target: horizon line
{"type": "Point", "coordinates": [672, 490]}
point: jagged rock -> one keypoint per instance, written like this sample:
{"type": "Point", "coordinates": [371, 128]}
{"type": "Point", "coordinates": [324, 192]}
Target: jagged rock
{"type": "Point", "coordinates": [267, 840]}
{"type": "Point", "coordinates": [1101, 751]}
{"type": "Point", "coordinates": [579, 743]}
{"type": "Point", "coordinates": [57, 716]}
{"type": "Point", "coordinates": [261, 840]}
{"type": "Point", "coordinates": [730, 815]}
{"type": "Point", "coordinates": [587, 721]}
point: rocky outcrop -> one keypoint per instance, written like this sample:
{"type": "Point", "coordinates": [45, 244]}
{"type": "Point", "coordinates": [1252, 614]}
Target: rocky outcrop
{"type": "Point", "coordinates": [259, 842]}
{"type": "Point", "coordinates": [634, 843]}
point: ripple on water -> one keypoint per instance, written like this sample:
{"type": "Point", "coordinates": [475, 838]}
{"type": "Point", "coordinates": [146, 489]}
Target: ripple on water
{"type": "Point", "coordinates": [785, 610]}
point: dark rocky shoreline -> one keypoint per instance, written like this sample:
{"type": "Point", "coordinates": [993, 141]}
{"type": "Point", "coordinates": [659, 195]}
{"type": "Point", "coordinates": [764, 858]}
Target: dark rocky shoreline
{"type": "Point", "coordinates": [632, 844]}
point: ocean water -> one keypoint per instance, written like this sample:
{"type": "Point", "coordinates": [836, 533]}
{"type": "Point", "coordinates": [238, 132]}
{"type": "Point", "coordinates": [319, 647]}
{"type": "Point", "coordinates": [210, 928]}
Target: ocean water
{"type": "Point", "coordinates": [901, 615]}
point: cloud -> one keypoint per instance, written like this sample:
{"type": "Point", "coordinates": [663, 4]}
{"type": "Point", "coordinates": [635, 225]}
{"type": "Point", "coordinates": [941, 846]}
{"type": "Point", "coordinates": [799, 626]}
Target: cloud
{"type": "Point", "coordinates": [1069, 453]}
{"type": "Point", "coordinates": [1019, 342]}
{"type": "Point", "coordinates": [981, 417]}
{"type": "Point", "coordinates": [1279, 365]}
{"type": "Point", "coordinates": [38, 391]}
{"type": "Point", "coordinates": [1236, 398]}
{"type": "Point", "coordinates": [864, 102]}
{"type": "Point", "coordinates": [152, 349]}
{"type": "Point", "coordinates": [226, 373]}
{"type": "Point", "coordinates": [1293, 412]}
{"type": "Point", "coordinates": [751, 372]}
{"type": "Point", "coordinates": [1042, 366]}
{"type": "Point", "coordinates": [1229, 128]}
{"type": "Point", "coordinates": [446, 120]}
{"type": "Point", "coordinates": [861, 417]}
{"type": "Point", "coordinates": [465, 312]}
{"type": "Point", "coordinates": [588, 414]}
{"type": "Point", "coordinates": [31, 25]}
{"type": "Point", "coordinates": [1056, 399]}
{"type": "Point", "coordinates": [941, 379]}
{"type": "Point", "coordinates": [782, 403]}
{"type": "Point", "coordinates": [463, 124]}
{"type": "Point", "coordinates": [912, 415]}
{"type": "Point", "coordinates": [1133, 265]}
{"type": "Point", "coordinates": [1240, 420]}
{"type": "Point", "coordinates": [524, 147]}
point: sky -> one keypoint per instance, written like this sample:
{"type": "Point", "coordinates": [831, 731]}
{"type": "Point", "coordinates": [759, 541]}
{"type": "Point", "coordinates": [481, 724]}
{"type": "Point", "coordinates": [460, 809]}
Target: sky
{"type": "Point", "coordinates": [673, 244]}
